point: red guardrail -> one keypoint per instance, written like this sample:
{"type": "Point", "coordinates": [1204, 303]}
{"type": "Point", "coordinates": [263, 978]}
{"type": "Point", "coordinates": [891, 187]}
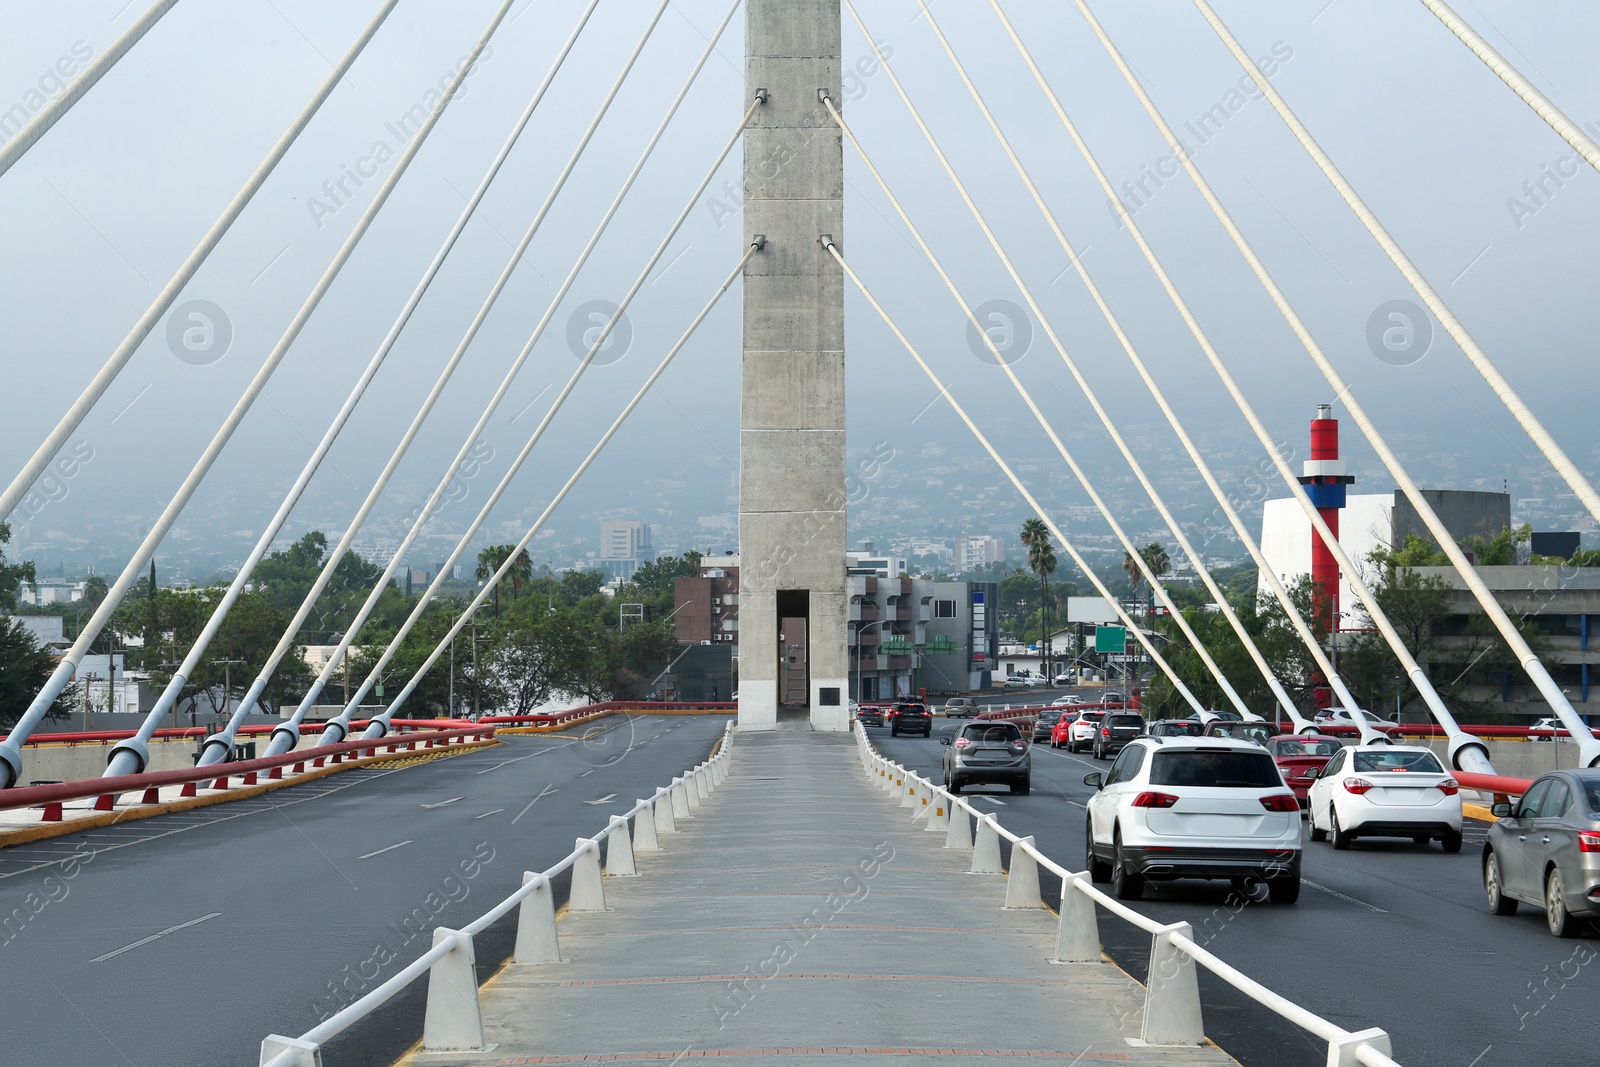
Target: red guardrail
{"type": "Point", "coordinates": [106, 789]}
{"type": "Point", "coordinates": [1493, 783]}
{"type": "Point", "coordinates": [609, 706]}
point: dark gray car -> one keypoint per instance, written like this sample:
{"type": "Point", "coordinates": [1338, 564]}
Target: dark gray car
{"type": "Point", "coordinates": [987, 753]}
{"type": "Point", "coordinates": [1545, 851]}
{"type": "Point", "coordinates": [1047, 719]}
{"type": "Point", "coordinates": [1116, 730]}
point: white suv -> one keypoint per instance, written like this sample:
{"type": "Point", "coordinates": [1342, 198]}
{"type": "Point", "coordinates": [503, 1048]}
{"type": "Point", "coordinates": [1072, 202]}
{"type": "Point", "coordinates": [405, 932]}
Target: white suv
{"type": "Point", "coordinates": [1193, 807]}
{"type": "Point", "coordinates": [1081, 731]}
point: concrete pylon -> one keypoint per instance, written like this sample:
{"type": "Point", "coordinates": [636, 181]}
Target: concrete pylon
{"type": "Point", "coordinates": [791, 441]}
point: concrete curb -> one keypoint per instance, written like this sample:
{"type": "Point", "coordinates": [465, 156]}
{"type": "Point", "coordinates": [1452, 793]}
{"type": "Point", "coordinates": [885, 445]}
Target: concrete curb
{"type": "Point", "coordinates": [46, 830]}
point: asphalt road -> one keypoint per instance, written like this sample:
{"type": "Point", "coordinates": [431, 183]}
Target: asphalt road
{"type": "Point", "coordinates": [185, 939]}
{"type": "Point", "coordinates": [1387, 934]}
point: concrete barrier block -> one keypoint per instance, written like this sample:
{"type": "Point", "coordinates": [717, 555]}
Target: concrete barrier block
{"type": "Point", "coordinates": [1342, 1051]}
{"type": "Point", "coordinates": [454, 1021]}
{"type": "Point", "coordinates": [588, 886]}
{"type": "Point", "coordinates": [694, 789]}
{"type": "Point", "coordinates": [537, 941]}
{"type": "Point", "coordinates": [938, 813]}
{"type": "Point", "coordinates": [645, 838]}
{"type": "Point", "coordinates": [303, 1053]}
{"type": "Point", "coordinates": [1172, 993]}
{"type": "Point", "coordinates": [1078, 936]}
{"type": "Point", "coordinates": [666, 822]}
{"type": "Point", "coordinates": [959, 832]}
{"type": "Point", "coordinates": [1022, 884]}
{"type": "Point", "coordinates": [680, 799]}
{"type": "Point", "coordinates": [619, 850]}
{"type": "Point", "coordinates": [986, 847]}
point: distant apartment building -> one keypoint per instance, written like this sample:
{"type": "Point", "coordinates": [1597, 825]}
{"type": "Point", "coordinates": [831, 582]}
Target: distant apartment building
{"type": "Point", "coordinates": [974, 551]}
{"type": "Point", "coordinates": [706, 618]}
{"type": "Point", "coordinates": [42, 593]}
{"type": "Point", "coordinates": [623, 546]}
{"type": "Point", "coordinates": [912, 634]}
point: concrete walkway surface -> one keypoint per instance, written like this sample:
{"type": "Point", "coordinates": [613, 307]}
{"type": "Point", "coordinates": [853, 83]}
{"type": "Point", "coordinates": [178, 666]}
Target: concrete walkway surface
{"type": "Point", "coordinates": [801, 914]}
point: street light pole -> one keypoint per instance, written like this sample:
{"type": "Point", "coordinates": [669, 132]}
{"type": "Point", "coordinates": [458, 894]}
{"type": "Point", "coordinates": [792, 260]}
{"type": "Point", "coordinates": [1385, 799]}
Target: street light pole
{"type": "Point", "coordinates": [860, 627]}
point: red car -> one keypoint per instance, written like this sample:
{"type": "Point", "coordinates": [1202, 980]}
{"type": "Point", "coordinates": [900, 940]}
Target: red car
{"type": "Point", "coordinates": [1297, 756]}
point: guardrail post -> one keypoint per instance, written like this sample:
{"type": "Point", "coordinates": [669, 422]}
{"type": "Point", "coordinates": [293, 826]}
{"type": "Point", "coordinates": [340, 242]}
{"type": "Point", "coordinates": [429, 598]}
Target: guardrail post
{"type": "Point", "coordinates": [666, 822]}
{"type": "Point", "coordinates": [536, 924]}
{"type": "Point", "coordinates": [708, 779]}
{"type": "Point", "coordinates": [305, 1054]}
{"type": "Point", "coordinates": [1342, 1051]}
{"type": "Point", "coordinates": [454, 1020]}
{"type": "Point", "coordinates": [1022, 885]}
{"type": "Point", "coordinates": [1172, 992]}
{"type": "Point", "coordinates": [986, 847]}
{"type": "Point", "coordinates": [694, 788]}
{"type": "Point", "coordinates": [959, 833]}
{"type": "Point", "coordinates": [588, 888]}
{"type": "Point", "coordinates": [644, 829]}
{"type": "Point", "coordinates": [680, 799]}
{"type": "Point", "coordinates": [908, 797]}
{"type": "Point", "coordinates": [1078, 937]}
{"type": "Point", "coordinates": [619, 850]}
{"type": "Point", "coordinates": [938, 812]}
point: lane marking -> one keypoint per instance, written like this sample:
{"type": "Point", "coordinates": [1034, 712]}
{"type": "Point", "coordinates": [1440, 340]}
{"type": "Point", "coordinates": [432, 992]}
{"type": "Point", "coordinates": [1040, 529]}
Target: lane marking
{"type": "Point", "coordinates": [546, 791]}
{"type": "Point", "coordinates": [442, 803]}
{"type": "Point", "coordinates": [1341, 896]}
{"type": "Point", "coordinates": [381, 851]}
{"type": "Point", "coordinates": [486, 814]}
{"type": "Point", "coordinates": [586, 773]}
{"type": "Point", "coordinates": [153, 937]}
{"type": "Point", "coordinates": [608, 798]}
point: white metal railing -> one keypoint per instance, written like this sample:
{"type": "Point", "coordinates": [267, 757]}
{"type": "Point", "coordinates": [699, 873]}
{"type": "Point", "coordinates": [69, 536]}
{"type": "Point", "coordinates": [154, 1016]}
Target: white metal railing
{"type": "Point", "coordinates": [1172, 1013]}
{"type": "Point", "coordinates": [454, 1019]}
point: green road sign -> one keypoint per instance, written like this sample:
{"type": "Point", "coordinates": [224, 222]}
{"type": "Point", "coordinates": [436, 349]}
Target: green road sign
{"type": "Point", "coordinates": [1110, 638]}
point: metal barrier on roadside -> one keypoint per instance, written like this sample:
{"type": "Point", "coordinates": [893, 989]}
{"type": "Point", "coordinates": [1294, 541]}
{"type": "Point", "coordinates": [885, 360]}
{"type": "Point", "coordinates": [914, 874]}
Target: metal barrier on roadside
{"type": "Point", "coordinates": [1172, 1014]}
{"type": "Point", "coordinates": [454, 1018]}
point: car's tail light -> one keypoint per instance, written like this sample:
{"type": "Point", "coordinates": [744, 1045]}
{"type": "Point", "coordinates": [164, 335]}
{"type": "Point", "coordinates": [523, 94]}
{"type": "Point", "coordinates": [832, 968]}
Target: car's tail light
{"type": "Point", "coordinates": [1356, 785]}
{"type": "Point", "coordinates": [1280, 802]}
{"type": "Point", "coordinates": [963, 742]}
{"type": "Point", "coordinates": [1154, 800]}
{"type": "Point", "coordinates": [1449, 787]}
{"type": "Point", "coordinates": [1105, 731]}
{"type": "Point", "coordinates": [1588, 841]}
{"type": "Point", "coordinates": [1019, 745]}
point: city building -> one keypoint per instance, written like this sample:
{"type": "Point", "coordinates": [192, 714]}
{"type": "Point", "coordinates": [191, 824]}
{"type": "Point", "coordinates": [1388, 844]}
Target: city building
{"type": "Point", "coordinates": [705, 617]}
{"type": "Point", "coordinates": [623, 546]}
{"type": "Point", "coordinates": [908, 635]}
{"type": "Point", "coordinates": [869, 560]}
{"type": "Point", "coordinates": [975, 551]}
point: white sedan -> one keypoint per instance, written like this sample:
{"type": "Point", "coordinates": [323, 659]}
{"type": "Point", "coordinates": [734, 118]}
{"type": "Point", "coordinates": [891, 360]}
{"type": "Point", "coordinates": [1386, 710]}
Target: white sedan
{"type": "Point", "coordinates": [1067, 701]}
{"type": "Point", "coordinates": [1386, 791]}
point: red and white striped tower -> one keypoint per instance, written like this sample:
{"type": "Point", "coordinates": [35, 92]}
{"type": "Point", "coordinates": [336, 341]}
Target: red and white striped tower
{"type": "Point", "coordinates": [1325, 480]}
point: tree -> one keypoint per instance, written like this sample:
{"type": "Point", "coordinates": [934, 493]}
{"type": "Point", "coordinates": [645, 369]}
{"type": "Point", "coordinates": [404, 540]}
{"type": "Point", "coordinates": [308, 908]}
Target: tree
{"type": "Point", "coordinates": [492, 558]}
{"type": "Point", "coordinates": [12, 575]}
{"type": "Point", "coordinates": [25, 667]}
{"type": "Point", "coordinates": [1042, 561]}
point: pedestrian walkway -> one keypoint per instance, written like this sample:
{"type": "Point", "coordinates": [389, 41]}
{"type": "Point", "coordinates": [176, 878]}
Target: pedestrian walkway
{"type": "Point", "coordinates": [801, 914]}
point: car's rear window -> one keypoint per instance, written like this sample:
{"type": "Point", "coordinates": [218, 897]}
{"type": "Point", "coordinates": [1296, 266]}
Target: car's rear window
{"type": "Point", "coordinates": [1125, 720]}
{"type": "Point", "coordinates": [1219, 768]}
{"type": "Point", "coordinates": [994, 733]}
{"type": "Point", "coordinates": [1381, 762]}
{"type": "Point", "coordinates": [1288, 747]}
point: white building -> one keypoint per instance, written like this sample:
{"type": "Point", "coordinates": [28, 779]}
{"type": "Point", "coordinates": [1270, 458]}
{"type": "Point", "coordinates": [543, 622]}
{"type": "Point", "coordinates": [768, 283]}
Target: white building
{"type": "Point", "coordinates": [977, 550]}
{"type": "Point", "coordinates": [626, 540]}
{"type": "Point", "coordinates": [1365, 523]}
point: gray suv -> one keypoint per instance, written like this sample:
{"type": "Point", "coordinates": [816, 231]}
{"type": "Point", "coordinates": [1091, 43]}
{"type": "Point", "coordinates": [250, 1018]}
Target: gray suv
{"type": "Point", "coordinates": [1116, 730]}
{"type": "Point", "coordinates": [987, 753]}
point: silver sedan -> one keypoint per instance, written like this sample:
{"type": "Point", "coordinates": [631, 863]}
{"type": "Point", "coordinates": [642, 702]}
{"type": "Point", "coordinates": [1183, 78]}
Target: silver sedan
{"type": "Point", "coordinates": [1544, 850]}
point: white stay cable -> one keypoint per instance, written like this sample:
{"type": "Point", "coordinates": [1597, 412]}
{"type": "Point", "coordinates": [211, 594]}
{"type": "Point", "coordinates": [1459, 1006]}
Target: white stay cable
{"type": "Point", "coordinates": [1128, 545]}
{"type": "Point", "coordinates": [40, 124]}
{"type": "Point", "coordinates": [163, 301]}
{"type": "Point", "coordinates": [380, 723]}
{"type": "Point", "coordinates": [1248, 642]}
{"type": "Point", "coordinates": [10, 749]}
{"type": "Point", "coordinates": [130, 756]}
{"type": "Point", "coordinates": [1480, 360]}
{"type": "Point", "coordinates": [337, 727]}
{"type": "Point", "coordinates": [287, 734]}
{"type": "Point", "coordinates": [1297, 492]}
{"type": "Point", "coordinates": [1546, 685]}
{"type": "Point", "coordinates": [1011, 476]}
{"type": "Point", "coordinates": [1542, 105]}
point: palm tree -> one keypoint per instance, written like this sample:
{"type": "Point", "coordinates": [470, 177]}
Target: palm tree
{"type": "Point", "coordinates": [489, 561]}
{"type": "Point", "coordinates": [1042, 561]}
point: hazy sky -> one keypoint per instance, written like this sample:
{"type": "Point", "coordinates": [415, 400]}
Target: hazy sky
{"type": "Point", "coordinates": [97, 216]}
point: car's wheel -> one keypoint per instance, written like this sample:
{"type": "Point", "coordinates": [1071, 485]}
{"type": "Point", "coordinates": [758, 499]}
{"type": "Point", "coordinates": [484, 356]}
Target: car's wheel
{"type": "Point", "coordinates": [1451, 840]}
{"type": "Point", "coordinates": [1341, 836]}
{"type": "Point", "coordinates": [1556, 915]}
{"type": "Point", "coordinates": [1317, 832]}
{"type": "Point", "coordinates": [1124, 882]}
{"type": "Point", "coordinates": [1099, 752]}
{"type": "Point", "coordinates": [1285, 890]}
{"type": "Point", "coordinates": [1499, 903]}
{"type": "Point", "coordinates": [1020, 788]}
{"type": "Point", "coordinates": [1099, 870]}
